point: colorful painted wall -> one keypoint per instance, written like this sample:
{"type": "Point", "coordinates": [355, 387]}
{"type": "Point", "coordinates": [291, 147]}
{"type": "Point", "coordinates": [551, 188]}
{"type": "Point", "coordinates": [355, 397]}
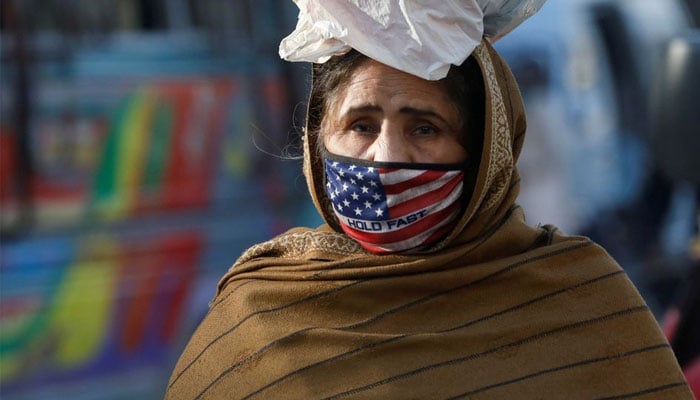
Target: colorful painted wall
{"type": "Point", "coordinates": [148, 176]}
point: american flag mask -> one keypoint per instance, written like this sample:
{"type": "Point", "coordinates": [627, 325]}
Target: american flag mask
{"type": "Point", "coordinates": [394, 207]}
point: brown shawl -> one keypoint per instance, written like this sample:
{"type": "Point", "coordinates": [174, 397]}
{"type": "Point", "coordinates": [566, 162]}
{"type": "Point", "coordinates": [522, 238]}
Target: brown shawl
{"type": "Point", "coordinates": [500, 310]}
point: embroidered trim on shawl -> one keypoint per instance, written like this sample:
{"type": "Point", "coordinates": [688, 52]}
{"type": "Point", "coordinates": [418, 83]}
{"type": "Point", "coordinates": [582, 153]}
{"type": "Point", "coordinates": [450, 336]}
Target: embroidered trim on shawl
{"type": "Point", "coordinates": [501, 162]}
{"type": "Point", "coordinates": [295, 244]}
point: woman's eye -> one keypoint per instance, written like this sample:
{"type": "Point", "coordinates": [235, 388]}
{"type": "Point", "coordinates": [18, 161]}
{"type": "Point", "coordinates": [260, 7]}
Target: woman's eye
{"type": "Point", "coordinates": [362, 128]}
{"type": "Point", "coordinates": [425, 130]}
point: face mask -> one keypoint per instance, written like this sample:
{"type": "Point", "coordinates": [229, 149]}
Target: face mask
{"type": "Point", "coordinates": [394, 207]}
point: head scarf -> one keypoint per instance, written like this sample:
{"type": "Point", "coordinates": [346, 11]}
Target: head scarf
{"type": "Point", "coordinates": [498, 310]}
{"type": "Point", "coordinates": [497, 183]}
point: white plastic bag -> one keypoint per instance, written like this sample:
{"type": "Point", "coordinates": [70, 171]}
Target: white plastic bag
{"type": "Point", "coordinates": [421, 37]}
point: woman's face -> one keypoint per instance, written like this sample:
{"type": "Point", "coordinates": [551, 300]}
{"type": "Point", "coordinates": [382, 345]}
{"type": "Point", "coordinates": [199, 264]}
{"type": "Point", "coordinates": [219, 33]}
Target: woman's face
{"type": "Point", "coordinates": [386, 115]}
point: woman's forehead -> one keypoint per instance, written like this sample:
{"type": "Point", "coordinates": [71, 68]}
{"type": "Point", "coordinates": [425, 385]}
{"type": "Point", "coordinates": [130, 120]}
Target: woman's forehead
{"type": "Point", "coordinates": [373, 83]}
{"type": "Point", "coordinates": [372, 73]}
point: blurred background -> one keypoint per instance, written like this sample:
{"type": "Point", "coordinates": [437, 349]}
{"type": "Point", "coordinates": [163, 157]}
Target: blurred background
{"type": "Point", "coordinates": [145, 144]}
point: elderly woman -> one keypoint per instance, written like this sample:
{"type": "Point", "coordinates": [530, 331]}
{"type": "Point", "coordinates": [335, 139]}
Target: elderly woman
{"type": "Point", "coordinates": [425, 283]}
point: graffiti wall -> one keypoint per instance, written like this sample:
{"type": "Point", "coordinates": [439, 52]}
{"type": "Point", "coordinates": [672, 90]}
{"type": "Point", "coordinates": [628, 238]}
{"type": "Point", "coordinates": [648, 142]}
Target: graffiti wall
{"type": "Point", "coordinates": [145, 183]}
{"type": "Point", "coordinates": [79, 309]}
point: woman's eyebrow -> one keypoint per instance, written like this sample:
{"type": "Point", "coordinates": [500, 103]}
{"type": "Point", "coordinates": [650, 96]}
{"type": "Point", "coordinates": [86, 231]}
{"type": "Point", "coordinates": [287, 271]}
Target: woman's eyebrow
{"type": "Point", "coordinates": [372, 108]}
{"type": "Point", "coordinates": [363, 108]}
{"type": "Point", "coordinates": [358, 110]}
{"type": "Point", "coordinates": [416, 112]}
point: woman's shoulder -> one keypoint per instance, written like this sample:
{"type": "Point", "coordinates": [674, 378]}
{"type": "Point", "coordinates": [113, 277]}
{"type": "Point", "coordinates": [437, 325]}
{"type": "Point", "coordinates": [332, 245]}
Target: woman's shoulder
{"type": "Point", "coordinates": [291, 249]}
{"type": "Point", "coordinates": [302, 242]}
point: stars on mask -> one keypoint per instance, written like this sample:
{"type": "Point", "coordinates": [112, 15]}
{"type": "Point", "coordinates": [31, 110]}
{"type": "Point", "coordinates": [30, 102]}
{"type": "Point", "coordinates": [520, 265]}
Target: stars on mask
{"type": "Point", "coordinates": [356, 191]}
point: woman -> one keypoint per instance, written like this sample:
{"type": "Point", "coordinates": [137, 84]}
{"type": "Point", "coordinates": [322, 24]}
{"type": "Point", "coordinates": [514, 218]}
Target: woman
{"type": "Point", "coordinates": [425, 282]}
{"type": "Point", "coordinates": [482, 306]}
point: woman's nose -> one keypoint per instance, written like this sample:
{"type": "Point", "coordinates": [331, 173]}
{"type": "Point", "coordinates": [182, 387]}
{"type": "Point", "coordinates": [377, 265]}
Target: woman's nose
{"type": "Point", "coordinates": [391, 146]}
